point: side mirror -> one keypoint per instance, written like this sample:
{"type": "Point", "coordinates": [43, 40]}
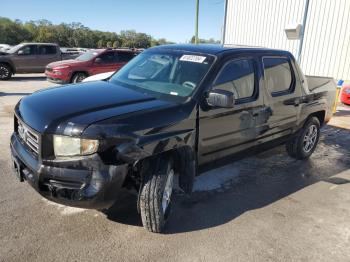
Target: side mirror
{"type": "Point", "coordinates": [20, 52]}
{"type": "Point", "coordinates": [98, 60]}
{"type": "Point", "coordinates": [221, 98]}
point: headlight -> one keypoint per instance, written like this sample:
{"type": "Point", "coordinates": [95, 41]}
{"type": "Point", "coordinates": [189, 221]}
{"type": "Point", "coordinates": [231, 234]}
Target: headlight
{"type": "Point", "coordinates": [347, 90]}
{"type": "Point", "coordinates": [60, 67]}
{"type": "Point", "coordinates": [57, 72]}
{"type": "Point", "coordinates": [72, 146]}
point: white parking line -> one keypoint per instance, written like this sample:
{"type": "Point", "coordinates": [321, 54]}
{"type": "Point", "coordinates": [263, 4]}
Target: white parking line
{"type": "Point", "coordinates": [64, 210]}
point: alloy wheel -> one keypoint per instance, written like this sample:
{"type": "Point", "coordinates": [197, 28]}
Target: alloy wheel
{"type": "Point", "coordinates": [168, 189]}
{"type": "Point", "coordinates": [310, 138]}
{"type": "Point", "coordinates": [4, 72]}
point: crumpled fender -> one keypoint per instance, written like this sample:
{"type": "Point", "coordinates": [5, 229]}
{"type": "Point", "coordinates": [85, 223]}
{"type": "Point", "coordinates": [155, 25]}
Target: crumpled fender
{"type": "Point", "coordinates": [131, 147]}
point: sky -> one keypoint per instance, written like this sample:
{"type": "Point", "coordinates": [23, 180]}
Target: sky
{"type": "Point", "coordinates": [170, 19]}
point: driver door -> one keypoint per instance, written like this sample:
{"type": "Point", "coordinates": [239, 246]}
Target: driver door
{"type": "Point", "coordinates": [105, 63]}
{"type": "Point", "coordinates": [224, 131]}
{"type": "Point", "coordinates": [25, 59]}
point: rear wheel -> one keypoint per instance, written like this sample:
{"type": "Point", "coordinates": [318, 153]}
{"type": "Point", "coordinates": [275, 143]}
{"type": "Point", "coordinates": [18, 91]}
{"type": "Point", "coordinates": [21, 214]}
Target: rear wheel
{"type": "Point", "coordinates": [156, 193]}
{"type": "Point", "coordinates": [305, 142]}
{"type": "Point", "coordinates": [79, 77]}
{"type": "Point", "coordinates": [5, 72]}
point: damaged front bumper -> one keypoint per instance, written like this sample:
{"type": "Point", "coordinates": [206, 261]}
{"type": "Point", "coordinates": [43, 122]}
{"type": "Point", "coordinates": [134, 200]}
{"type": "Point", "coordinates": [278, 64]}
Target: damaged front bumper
{"type": "Point", "coordinates": [88, 184]}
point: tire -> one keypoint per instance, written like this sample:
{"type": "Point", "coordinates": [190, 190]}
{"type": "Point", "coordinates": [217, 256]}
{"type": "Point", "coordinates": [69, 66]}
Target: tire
{"type": "Point", "coordinates": [78, 77]}
{"type": "Point", "coordinates": [5, 72]}
{"type": "Point", "coordinates": [305, 142]}
{"type": "Point", "coordinates": [155, 200]}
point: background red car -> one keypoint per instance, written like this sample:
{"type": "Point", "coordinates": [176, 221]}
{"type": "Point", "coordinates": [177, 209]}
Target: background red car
{"type": "Point", "coordinates": [90, 63]}
{"type": "Point", "coordinates": [345, 95]}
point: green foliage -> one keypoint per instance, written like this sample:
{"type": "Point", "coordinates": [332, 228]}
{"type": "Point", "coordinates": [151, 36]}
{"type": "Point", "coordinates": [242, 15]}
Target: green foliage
{"type": "Point", "coordinates": [115, 44]}
{"type": "Point", "coordinates": [71, 35]}
{"type": "Point", "coordinates": [100, 44]}
{"type": "Point", "coordinates": [205, 41]}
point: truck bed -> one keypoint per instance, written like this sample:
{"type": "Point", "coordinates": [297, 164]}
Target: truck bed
{"type": "Point", "coordinates": [319, 84]}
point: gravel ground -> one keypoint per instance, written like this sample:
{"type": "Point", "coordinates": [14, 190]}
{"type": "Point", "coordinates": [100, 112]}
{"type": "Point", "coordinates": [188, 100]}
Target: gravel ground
{"type": "Point", "coordinates": [266, 207]}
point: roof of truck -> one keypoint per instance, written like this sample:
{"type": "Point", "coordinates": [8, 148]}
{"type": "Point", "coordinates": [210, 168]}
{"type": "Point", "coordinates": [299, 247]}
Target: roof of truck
{"type": "Point", "coordinates": [216, 49]}
{"type": "Point", "coordinates": [38, 44]}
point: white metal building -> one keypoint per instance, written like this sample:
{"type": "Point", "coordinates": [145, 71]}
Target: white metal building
{"type": "Point", "coordinates": [326, 44]}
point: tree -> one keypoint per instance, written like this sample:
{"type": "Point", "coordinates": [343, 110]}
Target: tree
{"type": "Point", "coordinates": [193, 40]}
{"type": "Point", "coordinates": [100, 43]}
{"type": "Point", "coordinates": [115, 44]}
{"type": "Point", "coordinates": [205, 41]}
{"type": "Point", "coordinates": [71, 35]}
{"type": "Point", "coordinates": [12, 32]}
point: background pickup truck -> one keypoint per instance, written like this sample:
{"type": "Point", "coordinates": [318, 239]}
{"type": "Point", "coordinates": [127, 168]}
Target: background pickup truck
{"type": "Point", "coordinates": [30, 58]}
{"type": "Point", "coordinates": [169, 110]}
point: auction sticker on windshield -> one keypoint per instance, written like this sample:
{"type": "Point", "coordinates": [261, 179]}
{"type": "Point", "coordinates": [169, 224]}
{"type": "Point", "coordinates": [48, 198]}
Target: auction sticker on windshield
{"type": "Point", "coordinates": [193, 58]}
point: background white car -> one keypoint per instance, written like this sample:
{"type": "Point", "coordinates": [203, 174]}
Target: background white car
{"type": "Point", "coordinates": [4, 47]}
{"type": "Point", "coordinates": [97, 77]}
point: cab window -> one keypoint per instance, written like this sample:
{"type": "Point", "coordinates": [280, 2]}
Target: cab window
{"type": "Point", "coordinates": [28, 50]}
{"type": "Point", "coordinates": [125, 56]}
{"type": "Point", "coordinates": [278, 75]}
{"type": "Point", "coordinates": [238, 77]}
{"type": "Point", "coordinates": [108, 57]}
{"type": "Point", "coordinates": [46, 50]}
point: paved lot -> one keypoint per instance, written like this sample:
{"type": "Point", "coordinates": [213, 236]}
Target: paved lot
{"type": "Point", "coordinates": [266, 207]}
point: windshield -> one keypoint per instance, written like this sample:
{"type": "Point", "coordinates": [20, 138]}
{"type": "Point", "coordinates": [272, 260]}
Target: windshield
{"type": "Point", "coordinates": [170, 73]}
{"type": "Point", "coordinates": [14, 49]}
{"type": "Point", "coordinates": [87, 56]}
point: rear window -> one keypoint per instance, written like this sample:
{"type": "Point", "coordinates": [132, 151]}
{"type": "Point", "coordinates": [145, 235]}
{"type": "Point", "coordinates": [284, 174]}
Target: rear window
{"type": "Point", "coordinates": [278, 75]}
{"type": "Point", "coordinates": [46, 50]}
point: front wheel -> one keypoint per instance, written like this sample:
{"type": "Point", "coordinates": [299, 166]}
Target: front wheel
{"type": "Point", "coordinates": [156, 193]}
{"type": "Point", "coordinates": [5, 72]}
{"type": "Point", "coordinates": [78, 77]}
{"type": "Point", "coordinates": [305, 142]}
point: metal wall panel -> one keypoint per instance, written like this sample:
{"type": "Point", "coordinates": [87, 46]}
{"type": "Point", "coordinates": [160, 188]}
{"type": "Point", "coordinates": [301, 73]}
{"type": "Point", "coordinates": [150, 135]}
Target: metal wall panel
{"type": "Point", "coordinates": [326, 49]}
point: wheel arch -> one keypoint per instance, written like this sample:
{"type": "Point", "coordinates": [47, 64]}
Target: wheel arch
{"type": "Point", "coordinates": [320, 115]}
{"type": "Point", "coordinates": [185, 165]}
{"type": "Point", "coordinates": [10, 65]}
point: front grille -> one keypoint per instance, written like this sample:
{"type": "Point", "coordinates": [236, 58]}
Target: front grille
{"type": "Point", "coordinates": [28, 136]}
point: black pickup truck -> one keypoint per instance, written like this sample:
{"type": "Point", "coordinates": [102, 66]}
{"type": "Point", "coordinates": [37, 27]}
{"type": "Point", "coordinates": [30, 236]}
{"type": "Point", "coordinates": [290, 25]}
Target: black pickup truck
{"type": "Point", "coordinates": [167, 111]}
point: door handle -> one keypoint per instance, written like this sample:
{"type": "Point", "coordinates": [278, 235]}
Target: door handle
{"type": "Point", "coordinates": [297, 102]}
{"type": "Point", "coordinates": [262, 111]}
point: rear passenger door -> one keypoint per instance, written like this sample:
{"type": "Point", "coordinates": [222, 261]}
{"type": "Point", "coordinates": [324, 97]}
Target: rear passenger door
{"type": "Point", "coordinates": [46, 55]}
{"type": "Point", "coordinates": [223, 131]}
{"type": "Point", "coordinates": [282, 96]}
{"type": "Point", "coordinates": [123, 58]}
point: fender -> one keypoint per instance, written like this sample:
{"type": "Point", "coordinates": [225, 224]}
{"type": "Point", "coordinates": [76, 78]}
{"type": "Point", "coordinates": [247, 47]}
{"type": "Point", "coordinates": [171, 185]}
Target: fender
{"type": "Point", "coordinates": [150, 145]}
{"type": "Point", "coordinates": [5, 59]}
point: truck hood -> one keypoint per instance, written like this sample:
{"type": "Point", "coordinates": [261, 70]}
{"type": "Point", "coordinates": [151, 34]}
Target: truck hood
{"type": "Point", "coordinates": [77, 106]}
{"type": "Point", "coordinates": [69, 62]}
